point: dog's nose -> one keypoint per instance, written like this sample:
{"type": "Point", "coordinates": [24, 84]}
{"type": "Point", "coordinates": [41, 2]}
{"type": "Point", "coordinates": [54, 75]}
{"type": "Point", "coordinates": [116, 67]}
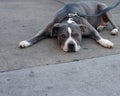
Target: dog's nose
{"type": "Point", "coordinates": [71, 47]}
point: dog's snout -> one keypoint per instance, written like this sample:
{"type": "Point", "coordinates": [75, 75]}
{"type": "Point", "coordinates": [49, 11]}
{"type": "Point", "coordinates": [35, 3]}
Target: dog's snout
{"type": "Point", "coordinates": [71, 47]}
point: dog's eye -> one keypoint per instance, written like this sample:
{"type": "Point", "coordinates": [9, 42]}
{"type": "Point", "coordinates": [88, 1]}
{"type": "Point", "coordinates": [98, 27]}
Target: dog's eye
{"type": "Point", "coordinates": [63, 36]}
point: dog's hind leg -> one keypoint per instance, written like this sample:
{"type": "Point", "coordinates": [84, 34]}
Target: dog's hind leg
{"type": "Point", "coordinates": [114, 30]}
{"type": "Point", "coordinates": [39, 36]}
{"type": "Point", "coordinates": [102, 19]}
{"type": "Point", "coordinates": [107, 17]}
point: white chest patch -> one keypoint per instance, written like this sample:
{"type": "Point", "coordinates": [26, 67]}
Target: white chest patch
{"type": "Point", "coordinates": [70, 20]}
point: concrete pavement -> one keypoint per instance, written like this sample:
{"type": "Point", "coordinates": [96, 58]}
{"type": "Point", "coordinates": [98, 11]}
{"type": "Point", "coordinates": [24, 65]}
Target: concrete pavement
{"type": "Point", "coordinates": [21, 19]}
{"type": "Point", "coordinates": [22, 72]}
{"type": "Point", "coordinates": [90, 77]}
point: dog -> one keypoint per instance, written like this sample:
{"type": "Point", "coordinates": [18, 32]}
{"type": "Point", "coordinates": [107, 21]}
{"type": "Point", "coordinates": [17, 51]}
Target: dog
{"type": "Point", "coordinates": [69, 28]}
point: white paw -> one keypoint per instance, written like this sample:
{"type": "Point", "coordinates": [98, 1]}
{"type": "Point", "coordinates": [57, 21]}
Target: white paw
{"type": "Point", "coordinates": [114, 31]}
{"type": "Point", "coordinates": [106, 43]}
{"type": "Point", "coordinates": [100, 28]}
{"type": "Point", "coordinates": [24, 44]}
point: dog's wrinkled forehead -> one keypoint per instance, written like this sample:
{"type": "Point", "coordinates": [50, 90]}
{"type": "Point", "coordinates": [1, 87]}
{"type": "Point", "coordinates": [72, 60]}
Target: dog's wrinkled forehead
{"type": "Point", "coordinates": [70, 24]}
{"type": "Point", "coordinates": [62, 28]}
{"type": "Point", "coordinates": [69, 28]}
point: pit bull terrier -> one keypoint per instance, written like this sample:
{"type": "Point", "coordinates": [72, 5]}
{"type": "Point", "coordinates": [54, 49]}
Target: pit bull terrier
{"type": "Point", "coordinates": [69, 28]}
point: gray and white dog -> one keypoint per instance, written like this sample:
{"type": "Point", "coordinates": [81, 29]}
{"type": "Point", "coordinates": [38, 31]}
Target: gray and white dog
{"type": "Point", "coordinates": [69, 28]}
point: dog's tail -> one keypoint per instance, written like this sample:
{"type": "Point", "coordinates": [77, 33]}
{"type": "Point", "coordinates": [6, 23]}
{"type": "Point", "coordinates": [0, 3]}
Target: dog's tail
{"type": "Point", "coordinates": [101, 12]}
{"type": "Point", "coordinates": [108, 9]}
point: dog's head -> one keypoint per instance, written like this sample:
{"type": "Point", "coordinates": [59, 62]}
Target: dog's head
{"type": "Point", "coordinates": [69, 35]}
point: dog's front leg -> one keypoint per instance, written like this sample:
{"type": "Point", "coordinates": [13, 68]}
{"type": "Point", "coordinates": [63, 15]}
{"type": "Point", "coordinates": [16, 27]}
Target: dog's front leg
{"type": "Point", "coordinates": [42, 34]}
{"type": "Point", "coordinates": [95, 35]}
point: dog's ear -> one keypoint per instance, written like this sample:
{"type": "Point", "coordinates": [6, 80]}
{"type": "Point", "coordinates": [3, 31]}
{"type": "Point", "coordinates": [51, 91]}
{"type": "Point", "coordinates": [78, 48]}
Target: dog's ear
{"type": "Point", "coordinates": [83, 27]}
{"type": "Point", "coordinates": [55, 29]}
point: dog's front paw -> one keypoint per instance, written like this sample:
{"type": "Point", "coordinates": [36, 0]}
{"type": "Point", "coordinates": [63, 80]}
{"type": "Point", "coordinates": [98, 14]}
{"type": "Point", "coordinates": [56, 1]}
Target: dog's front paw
{"type": "Point", "coordinates": [114, 31]}
{"type": "Point", "coordinates": [106, 43]}
{"type": "Point", "coordinates": [24, 44]}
